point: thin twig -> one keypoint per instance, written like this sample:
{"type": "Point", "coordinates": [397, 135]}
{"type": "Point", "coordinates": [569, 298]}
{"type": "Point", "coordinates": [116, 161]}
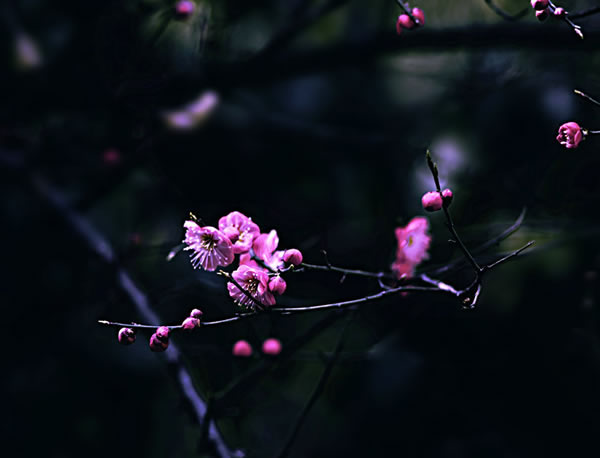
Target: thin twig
{"type": "Point", "coordinates": [586, 96]}
{"type": "Point", "coordinates": [315, 394]}
{"type": "Point", "coordinates": [509, 256]}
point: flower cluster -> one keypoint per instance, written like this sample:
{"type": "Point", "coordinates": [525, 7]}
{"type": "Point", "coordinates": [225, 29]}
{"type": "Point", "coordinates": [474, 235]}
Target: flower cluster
{"type": "Point", "coordinates": [413, 243]}
{"type": "Point", "coordinates": [570, 134]}
{"type": "Point", "coordinates": [258, 276]}
{"type": "Point", "coordinates": [405, 21]}
{"type": "Point", "coordinates": [432, 201]}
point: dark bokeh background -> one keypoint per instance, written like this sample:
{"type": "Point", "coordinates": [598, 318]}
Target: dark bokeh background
{"type": "Point", "coordinates": [329, 150]}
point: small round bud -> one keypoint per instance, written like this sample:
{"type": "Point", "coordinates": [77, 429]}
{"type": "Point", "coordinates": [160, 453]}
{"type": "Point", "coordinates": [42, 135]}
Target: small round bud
{"type": "Point", "coordinates": [541, 15]}
{"type": "Point", "coordinates": [293, 257]}
{"type": "Point", "coordinates": [126, 336]}
{"type": "Point", "coordinates": [196, 313]}
{"type": "Point", "coordinates": [539, 4]}
{"type": "Point", "coordinates": [570, 134]}
{"type": "Point", "coordinates": [419, 15]}
{"type": "Point", "coordinates": [242, 349]}
{"type": "Point", "coordinates": [277, 285]}
{"type": "Point", "coordinates": [271, 347]}
{"type": "Point", "coordinates": [405, 21]}
{"type": "Point", "coordinates": [447, 196]}
{"type": "Point", "coordinates": [158, 345]}
{"type": "Point", "coordinates": [432, 201]}
{"type": "Point", "coordinates": [190, 323]}
{"type": "Point", "coordinates": [560, 12]}
{"type": "Point", "coordinates": [185, 8]}
{"type": "Point", "coordinates": [162, 333]}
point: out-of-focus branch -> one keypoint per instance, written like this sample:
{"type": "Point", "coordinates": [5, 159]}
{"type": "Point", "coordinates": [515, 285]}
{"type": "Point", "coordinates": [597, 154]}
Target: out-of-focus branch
{"type": "Point", "coordinates": [504, 14]}
{"type": "Point", "coordinates": [97, 243]}
{"type": "Point", "coordinates": [585, 13]}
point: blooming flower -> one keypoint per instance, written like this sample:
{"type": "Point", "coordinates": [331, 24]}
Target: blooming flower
{"type": "Point", "coordinates": [570, 135]}
{"type": "Point", "coordinates": [255, 282]}
{"type": "Point", "coordinates": [210, 246]}
{"type": "Point", "coordinates": [240, 230]}
{"type": "Point", "coordinates": [264, 249]}
{"type": "Point", "coordinates": [413, 243]}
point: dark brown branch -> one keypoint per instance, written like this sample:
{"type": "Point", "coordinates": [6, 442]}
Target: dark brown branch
{"type": "Point", "coordinates": [504, 14]}
{"type": "Point", "coordinates": [97, 243]}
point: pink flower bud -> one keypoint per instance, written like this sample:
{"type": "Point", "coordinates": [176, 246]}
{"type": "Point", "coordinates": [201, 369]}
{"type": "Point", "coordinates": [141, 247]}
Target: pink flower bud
{"type": "Point", "coordinates": [432, 201]}
{"type": "Point", "coordinates": [190, 323]}
{"type": "Point", "coordinates": [560, 12]}
{"type": "Point", "coordinates": [542, 15]}
{"type": "Point", "coordinates": [185, 7]}
{"type": "Point", "coordinates": [158, 345]}
{"type": "Point", "coordinates": [293, 257]}
{"type": "Point", "coordinates": [126, 336]}
{"type": "Point", "coordinates": [271, 347]}
{"type": "Point", "coordinates": [447, 196]}
{"type": "Point", "coordinates": [277, 285]}
{"type": "Point", "coordinates": [419, 15]}
{"type": "Point", "coordinates": [405, 22]}
{"type": "Point", "coordinates": [162, 334]}
{"type": "Point", "coordinates": [196, 313]}
{"type": "Point", "coordinates": [539, 4]}
{"type": "Point", "coordinates": [570, 135]}
{"type": "Point", "coordinates": [242, 349]}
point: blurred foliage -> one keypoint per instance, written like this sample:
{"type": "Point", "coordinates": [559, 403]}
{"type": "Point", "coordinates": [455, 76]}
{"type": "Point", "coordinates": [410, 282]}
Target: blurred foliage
{"type": "Point", "coordinates": [332, 156]}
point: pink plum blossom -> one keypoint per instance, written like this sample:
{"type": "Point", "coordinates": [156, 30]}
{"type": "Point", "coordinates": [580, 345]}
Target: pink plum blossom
{"type": "Point", "coordinates": [264, 247]}
{"type": "Point", "coordinates": [413, 243]}
{"type": "Point", "coordinates": [211, 248]}
{"type": "Point", "coordinates": [447, 195]}
{"type": "Point", "coordinates": [240, 230]}
{"type": "Point", "coordinates": [242, 348]}
{"type": "Point", "coordinates": [253, 281]}
{"type": "Point", "coordinates": [157, 344]}
{"type": "Point", "coordinates": [570, 135]}
{"type": "Point", "coordinates": [126, 336]}
{"type": "Point", "coordinates": [560, 12]}
{"type": "Point", "coordinates": [271, 347]}
{"type": "Point", "coordinates": [190, 323]}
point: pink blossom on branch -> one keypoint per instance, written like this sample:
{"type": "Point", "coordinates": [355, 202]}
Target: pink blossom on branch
{"type": "Point", "coordinates": [264, 247]}
{"type": "Point", "coordinates": [432, 201]}
{"type": "Point", "coordinates": [210, 246]}
{"type": "Point", "coordinates": [570, 135]}
{"type": "Point", "coordinates": [413, 243]}
{"type": "Point", "coordinates": [240, 230]}
{"type": "Point", "coordinates": [253, 281]}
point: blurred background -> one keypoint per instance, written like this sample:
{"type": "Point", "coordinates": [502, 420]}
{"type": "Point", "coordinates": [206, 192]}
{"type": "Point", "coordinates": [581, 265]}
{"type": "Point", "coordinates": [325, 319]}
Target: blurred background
{"type": "Point", "coordinates": [313, 118]}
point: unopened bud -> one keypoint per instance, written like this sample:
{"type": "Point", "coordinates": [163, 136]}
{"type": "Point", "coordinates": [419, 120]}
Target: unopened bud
{"type": "Point", "coordinates": [242, 348]}
{"type": "Point", "coordinates": [447, 196]}
{"type": "Point", "coordinates": [419, 15]}
{"type": "Point", "coordinates": [432, 201]}
{"type": "Point", "coordinates": [185, 7]}
{"type": "Point", "coordinates": [271, 346]}
{"type": "Point", "coordinates": [126, 336]}
{"type": "Point", "coordinates": [293, 257]}
{"type": "Point", "coordinates": [560, 12]}
{"type": "Point", "coordinates": [405, 21]}
{"type": "Point", "coordinates": [158, 345]}
{"type": "Point", "coordinates": [190, 323]}
{"type": "Point", "coordinates": [162, 333]}
{"type": "Point", "coordinates": [196, 313]}
{"type": "Point", "coordinates": [277, 285]}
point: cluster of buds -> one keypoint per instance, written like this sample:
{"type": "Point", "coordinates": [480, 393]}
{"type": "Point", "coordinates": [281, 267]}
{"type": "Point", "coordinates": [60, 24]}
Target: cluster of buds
{"type": "Point", "coordinates": [270, 347]}
{"type": "Point", "coordinates": [406, 22]}
{"type": "Point", "coordinates": [159, 341]}
{"type": "Point", "coordinates": [260, 263]}
{"type": "Point", "coordinates": [545, 8]}
{"type": "Point", "coordinates": [433, 201]}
